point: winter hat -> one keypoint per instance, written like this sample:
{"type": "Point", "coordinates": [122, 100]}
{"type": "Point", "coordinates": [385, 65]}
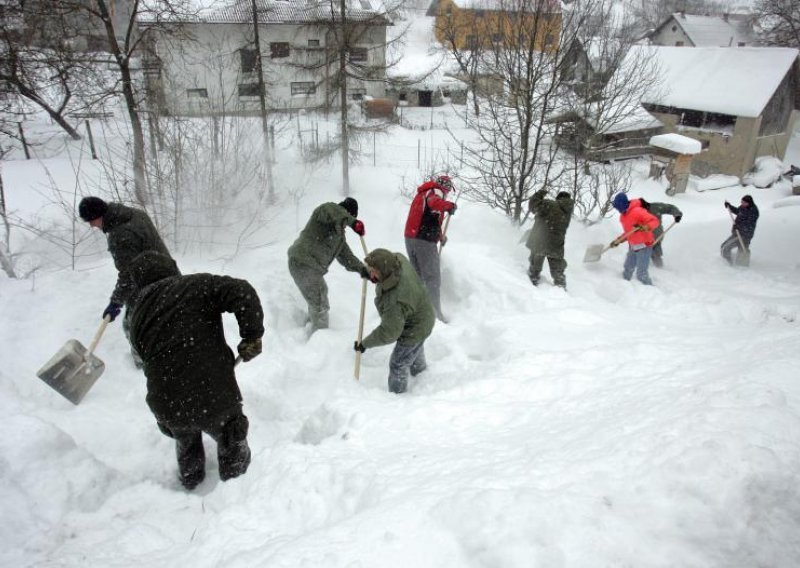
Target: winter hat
{"type": "Point", "coordinates": [91, 208]}
{"type": "Point", "coordinates": [563, 195]}
{"type": "Point", "coordinates": [747, 199]}
{"type": "Point", "coordinates": [383, 261]}
{"type": "Point", "coordinates": [350, 205]}
{"type": "Point", "coordinates": [621, 202]}
{"type": "Point", "coordinates": [151, 266]}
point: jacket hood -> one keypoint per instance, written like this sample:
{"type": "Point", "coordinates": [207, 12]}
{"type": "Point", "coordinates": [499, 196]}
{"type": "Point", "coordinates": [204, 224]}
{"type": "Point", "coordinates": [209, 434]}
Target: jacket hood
{"type": "Point", "coordinates": [151, 267]}
{"type": "Point", "coordinates": [385, 262]}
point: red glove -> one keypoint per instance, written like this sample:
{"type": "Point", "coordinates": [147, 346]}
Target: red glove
{"type": "Point", "coordinates": [452, 210]}
{"type": "Point", "coordinates": [358, 227]}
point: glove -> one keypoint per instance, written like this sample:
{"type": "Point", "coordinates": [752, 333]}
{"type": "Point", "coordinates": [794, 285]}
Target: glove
{"type": "Point", "coordinates": [727, 205]}
{"type": "Point", "coordinates": [678, 218]}
{"type": "Point", "coordinates": [249, 348]}
{"type": "Point", "coordinates": [112, 310]}
{"type": "Point", "coordinates": [358, 227]}
{"type": "Point", "coordinates": [364, 272]}
{"type": "Point", "coordinates": [358, 346]}
{"type": "Point", "coordinates": [444, 240]}
{"type": "Point", "coordinates": [644, 204]}
{"type": "Point", "coordinates": [642, 228]}
{"type": "Point", "coordinates": [452, 210]}
{"type": "Point", "coordinates": [615, 243]}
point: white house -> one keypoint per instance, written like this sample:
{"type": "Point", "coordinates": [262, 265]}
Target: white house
{"type": "Point", "coordinates": [207, 66]}
{"type": "Point", "coordinates": [689, 30]}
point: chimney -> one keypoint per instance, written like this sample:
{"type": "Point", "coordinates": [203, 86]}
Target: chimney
{"type": "Point", "coordinates": [683, 14]}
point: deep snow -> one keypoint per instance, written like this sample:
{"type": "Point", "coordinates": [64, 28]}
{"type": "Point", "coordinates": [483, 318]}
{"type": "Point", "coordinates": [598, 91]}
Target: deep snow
{"type": "Point", "coordinates": [612, 425]}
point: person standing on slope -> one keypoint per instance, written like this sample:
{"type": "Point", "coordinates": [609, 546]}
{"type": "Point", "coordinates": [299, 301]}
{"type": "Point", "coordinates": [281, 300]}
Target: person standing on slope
{"type": "Point", "coordinates": [320, 242]}
{"type": "Point", "coordinates": [546, 240]}
{"type": "Point", "coordinates": [424, 232]}
{"type": "Point", "coordinates": [636, 220]}
{"type": "Point", "coordinates": [744, 227]}
{"type": "Point", "coordinates": [660, 209]}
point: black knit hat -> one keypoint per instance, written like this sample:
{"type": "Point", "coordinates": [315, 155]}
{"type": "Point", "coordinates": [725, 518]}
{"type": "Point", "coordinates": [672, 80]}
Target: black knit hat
{"type": "Point", "coordinates": [747, 199]}
{"type": "Point", "coordinates": [91, 208]}
{"type": "Point", "coordinates": [350, 205]}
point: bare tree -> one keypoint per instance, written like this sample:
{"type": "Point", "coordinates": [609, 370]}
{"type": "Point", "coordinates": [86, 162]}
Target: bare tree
{"type": "Point", "coordinates": [6, 258]}
{"type": "Point", "coordinates": [262, 101]}
{"type": "Point", "coordinates": [779, 21]}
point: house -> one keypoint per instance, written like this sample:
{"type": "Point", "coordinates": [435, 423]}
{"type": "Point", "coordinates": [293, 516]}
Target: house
{"type": "Point", "coordinates": [588, 63]}
{"type": "Point", "coordinates": [682, 29]}
{"type": "Point", "coordinates": [739, 103]}
{"type": "Point", "coordinates": [208, 65]}
{"type": "Point", "coordinates": [494, 24]}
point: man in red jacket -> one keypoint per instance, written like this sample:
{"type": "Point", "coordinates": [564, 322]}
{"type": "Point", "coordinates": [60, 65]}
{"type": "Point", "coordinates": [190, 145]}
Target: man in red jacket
{"type": "Point", "coordinates": [636, 218]}
{"type": "Point", "coordinates": [424, 231]}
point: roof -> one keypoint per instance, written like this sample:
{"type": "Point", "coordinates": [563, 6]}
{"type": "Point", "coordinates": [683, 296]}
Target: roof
{"type": "Point", "coordinates": [710, 31]}
{"type": "Point", "coordinates": [292, 11]}
{"type": "Point", "coordinates": [735, 81]}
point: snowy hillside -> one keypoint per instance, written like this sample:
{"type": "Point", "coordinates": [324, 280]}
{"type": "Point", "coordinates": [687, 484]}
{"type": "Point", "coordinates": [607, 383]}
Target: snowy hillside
{"type": "Point", "coordinates": [612, 425]}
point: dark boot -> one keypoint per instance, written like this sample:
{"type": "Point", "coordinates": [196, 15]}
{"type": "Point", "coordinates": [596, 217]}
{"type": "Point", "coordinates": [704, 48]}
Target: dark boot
{"type": "Point", "coordinates": [191, 458]}
{"type": "Point", "coordinates": [233, 453]}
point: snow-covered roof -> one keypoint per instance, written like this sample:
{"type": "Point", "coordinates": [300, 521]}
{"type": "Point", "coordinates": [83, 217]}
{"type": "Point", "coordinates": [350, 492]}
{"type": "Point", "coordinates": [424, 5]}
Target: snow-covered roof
{"type": "Point", "coordinates": [543, 6]}
{"type": "Point", "coordinates": [738, 82]}
{"type": "Point", "coordinates": [636, 119]}
{"type": "Point", "coordinates": [291, 11]}
{"type": "Point", "coordinates": [677, 143]}
{"type": "Point", "coordinates": [710, 31]}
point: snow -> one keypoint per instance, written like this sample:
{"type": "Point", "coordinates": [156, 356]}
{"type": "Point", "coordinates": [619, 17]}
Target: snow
{"type": "Point", "coordinates": [712, 31]}
{"type": "Point", "coordinates": [716, 181]}
{"type": "Point", "coordinates": [734, 81]}
{"type": "Point", "coordinates": [676, 143]}
{"type": "Point", "coordinates": [766, 171]}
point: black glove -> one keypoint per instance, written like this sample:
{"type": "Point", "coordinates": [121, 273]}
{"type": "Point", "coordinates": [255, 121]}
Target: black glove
{"type": "Point", "coordinates": [358, 346]}
{"type": "Point", "coordinates": [112, 310]}
{"type": "Point", "coordinates": [452, 210]}
{"type": "Point", "coordinates": [249, 348]}
{"type": "Point", "coordinates": [643, 203]}
{"type": "Point", "coordinates": [364, 272]}
{"type": "Point", "coordinates": [727, 205]}
{"type": "Point", "coordinates": [678, 218]}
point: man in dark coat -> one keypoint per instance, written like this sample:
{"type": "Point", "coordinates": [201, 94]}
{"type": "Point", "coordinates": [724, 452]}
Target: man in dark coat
{"type": "Point", "coordinates": [744, 227]}
{"type": "Point", "coordinates": [320, 242]}
{"type": "Point", "coordinates": [407, 316]}
{"type": "Point", "coordinates": [546, 240]}
{"type": "Point", "coordinates": [129, 232]}
{"type": "Point", "coordinates": [660, 209]}
{"type": "Point", "coordinates": [176, 326]}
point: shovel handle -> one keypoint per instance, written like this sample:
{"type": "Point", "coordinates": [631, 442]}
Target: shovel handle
{"type": "Point", "coordinates": [738, 235]}
{"type": "Point", "coordinates": [97, 336]}
{"type": "Point", "coordinates": [357, 367]}
{"type": "Point", "coordinates": [661, 236]}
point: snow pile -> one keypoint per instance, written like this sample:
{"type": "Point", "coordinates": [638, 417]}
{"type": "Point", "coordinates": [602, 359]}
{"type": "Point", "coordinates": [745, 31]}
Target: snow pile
{"type": "Point", "coordinates": [766, 171]}
{"type": "Point", "coordinates": [676, 143]}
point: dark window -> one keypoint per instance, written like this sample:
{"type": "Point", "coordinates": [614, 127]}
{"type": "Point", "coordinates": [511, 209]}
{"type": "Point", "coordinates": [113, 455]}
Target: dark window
{"type": "Point", "coordinates": [197, 93]}
{"type": "Point", "coordinates": [248, 60]}
{"type": "Point", "coordinates": [674, 28]}
{"type": "Point", "coordinates": [678, 44]}
{"type": "Point", "coordinates": [403, 97]}
{"type": "Point", "coordinates": [358, 54]}
{"type": "Point", "coordinates": [279, 49]}
{"type": "Point", "coordinates": [313, 43]}
{"type": "Point", "coordinates": [304, 88]}
{"type": "Point", "coordinates": [497, 38]}
{"type": "Point", "coordinates": [741, 44]}
{"type": "Point", "coordinates": [357, 94]}
{"type": "Point", "coordinates": [248, 89]}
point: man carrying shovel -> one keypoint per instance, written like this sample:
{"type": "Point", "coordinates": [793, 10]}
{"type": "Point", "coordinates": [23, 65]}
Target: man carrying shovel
{"type": "Point", "coordinates": [638, 226]}
{"type": "Point", "coordinates": [744, 227]}
{"type": "Point", "coordinates": [176, 326]}
{"type": "Point", "coordinates": [660, 209]}
{"type": "Point", "coordinates": [546, 240]}
{"type": "Point", "coordinates": [407, 316]}
{"type": "Point", "coordinates": [130, 232]}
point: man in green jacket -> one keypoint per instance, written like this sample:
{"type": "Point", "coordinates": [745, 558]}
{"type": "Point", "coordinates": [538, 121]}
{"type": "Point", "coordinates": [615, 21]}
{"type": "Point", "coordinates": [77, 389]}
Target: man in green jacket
{"type": "Point", "coordinates": [658, 209]}
{"type": "Point", "coordinates": [407, 316]}
{"type": "Point", "coordinates": [129, 232]}
{"type": "Point", "coordinates": [176, 326]}
{"type": "Point", "coordinates": [320, 242]}
{"type": "Point", "coordinates": [546, 240]}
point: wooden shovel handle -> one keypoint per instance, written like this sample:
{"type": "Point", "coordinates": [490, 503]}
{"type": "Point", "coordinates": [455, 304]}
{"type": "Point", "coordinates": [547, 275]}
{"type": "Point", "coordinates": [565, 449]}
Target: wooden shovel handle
{"type": "Point", "coordinates": [661, 236]}
{"type": "Point", "coordinates": [97, 336]}
{"type": "Point", "coordinates": [357, 368]}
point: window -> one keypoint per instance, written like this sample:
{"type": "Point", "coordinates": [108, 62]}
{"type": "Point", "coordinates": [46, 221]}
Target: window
{"type": "Point", "coordinates": [358, 54]}
{"type": "Point", "coordinates": [248, 89]}
{"type": "Point", "coordinates": [357, 94]}
{"type": "Point", "coordinates": [279, 49]}
{"type": "Point", "coordinates": [678, 44]}
{"type": "Point", "coordinates": [197, 93]}
{"type": "Point", "coordinates": [247, 58]}
{"type": "Point", "coordinates": [313, 43]}
{"type": "Point", "coordinates": [304, 88]}
{"type": "Point", "coordinates": [497, 38]}
{"type": "Point", "coordinates": [674, 28]}
{"type": "Point", "coordinates": [741, 44]}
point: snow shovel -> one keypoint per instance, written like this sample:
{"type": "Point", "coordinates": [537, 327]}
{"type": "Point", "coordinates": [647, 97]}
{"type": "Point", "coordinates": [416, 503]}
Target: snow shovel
{"type": "Point", "coordinates": [594, 252]}
{"type": "Point", "coordinates": [743, 257]}
{"type": "Point", "coordinates": [73, 370]}
{"type": "Point", "coordinates": [357, 368]}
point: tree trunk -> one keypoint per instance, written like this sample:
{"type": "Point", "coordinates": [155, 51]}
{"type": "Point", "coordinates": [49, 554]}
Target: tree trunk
{"type": "Point", "coordinates": [57, 117]}
{"type": "Point", "coordinates": [5, 246]}
{"type": "Point", "coordinates": [343, 101]}
{"type": "Point", "coordinates": [262, 100]}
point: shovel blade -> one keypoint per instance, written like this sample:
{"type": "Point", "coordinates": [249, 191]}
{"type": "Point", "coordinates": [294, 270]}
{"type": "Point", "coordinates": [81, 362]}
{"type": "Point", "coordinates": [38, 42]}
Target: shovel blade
{"type": "Point", "coordinates": [593, 253]}
{"type": "Point", "coordinates": [70, 372]}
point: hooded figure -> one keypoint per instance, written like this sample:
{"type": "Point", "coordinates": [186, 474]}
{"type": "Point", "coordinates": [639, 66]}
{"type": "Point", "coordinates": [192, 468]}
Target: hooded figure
{"type": "Point", "coordinates": [320, 242]}
{"type": "Point", "coordinates": [742, 232]}
{"type": "Point", "coordinates": [407, 316]}
{"type": "Point", "coordinates": [424, 231]}
{"type": "Point", "coordinates": [638, 225]}
{"type": "Point", "coordinates": [176, 326]}
{"type": "Point", "coordinates": [546, 240]}
{"type": "Point", "coordinates": [129, 232]}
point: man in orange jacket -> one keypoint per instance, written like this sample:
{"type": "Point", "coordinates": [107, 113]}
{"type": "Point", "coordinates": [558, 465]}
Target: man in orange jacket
{"type": "Point", "coordinates": [640, 223]}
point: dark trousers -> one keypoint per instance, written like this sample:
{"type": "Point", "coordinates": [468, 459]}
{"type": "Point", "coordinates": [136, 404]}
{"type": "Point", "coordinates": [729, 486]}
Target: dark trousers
{"type": "Point", "coordinates": [424, 257]}
{"type": "Point", "coordinates": [233, 453]}
{"type": "Point", "coordinates": [557, 268]}
{"type": "Point", "coordinates": [732, 242]}
{"type": "Point", "coordinates": [405, 359]}
{"type": "Point", "coordinates": [312, 286]}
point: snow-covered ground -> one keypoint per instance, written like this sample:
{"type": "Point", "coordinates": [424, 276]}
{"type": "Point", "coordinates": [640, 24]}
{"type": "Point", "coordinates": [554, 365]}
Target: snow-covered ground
{"type": "Point", "coordinates": [611, 425]}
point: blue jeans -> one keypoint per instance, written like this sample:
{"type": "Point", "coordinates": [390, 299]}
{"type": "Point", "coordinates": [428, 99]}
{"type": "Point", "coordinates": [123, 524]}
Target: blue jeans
{"type": "Point", "coordinates": [405, 359]}
{"type": "Point", "coordinates": [639, 260]}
